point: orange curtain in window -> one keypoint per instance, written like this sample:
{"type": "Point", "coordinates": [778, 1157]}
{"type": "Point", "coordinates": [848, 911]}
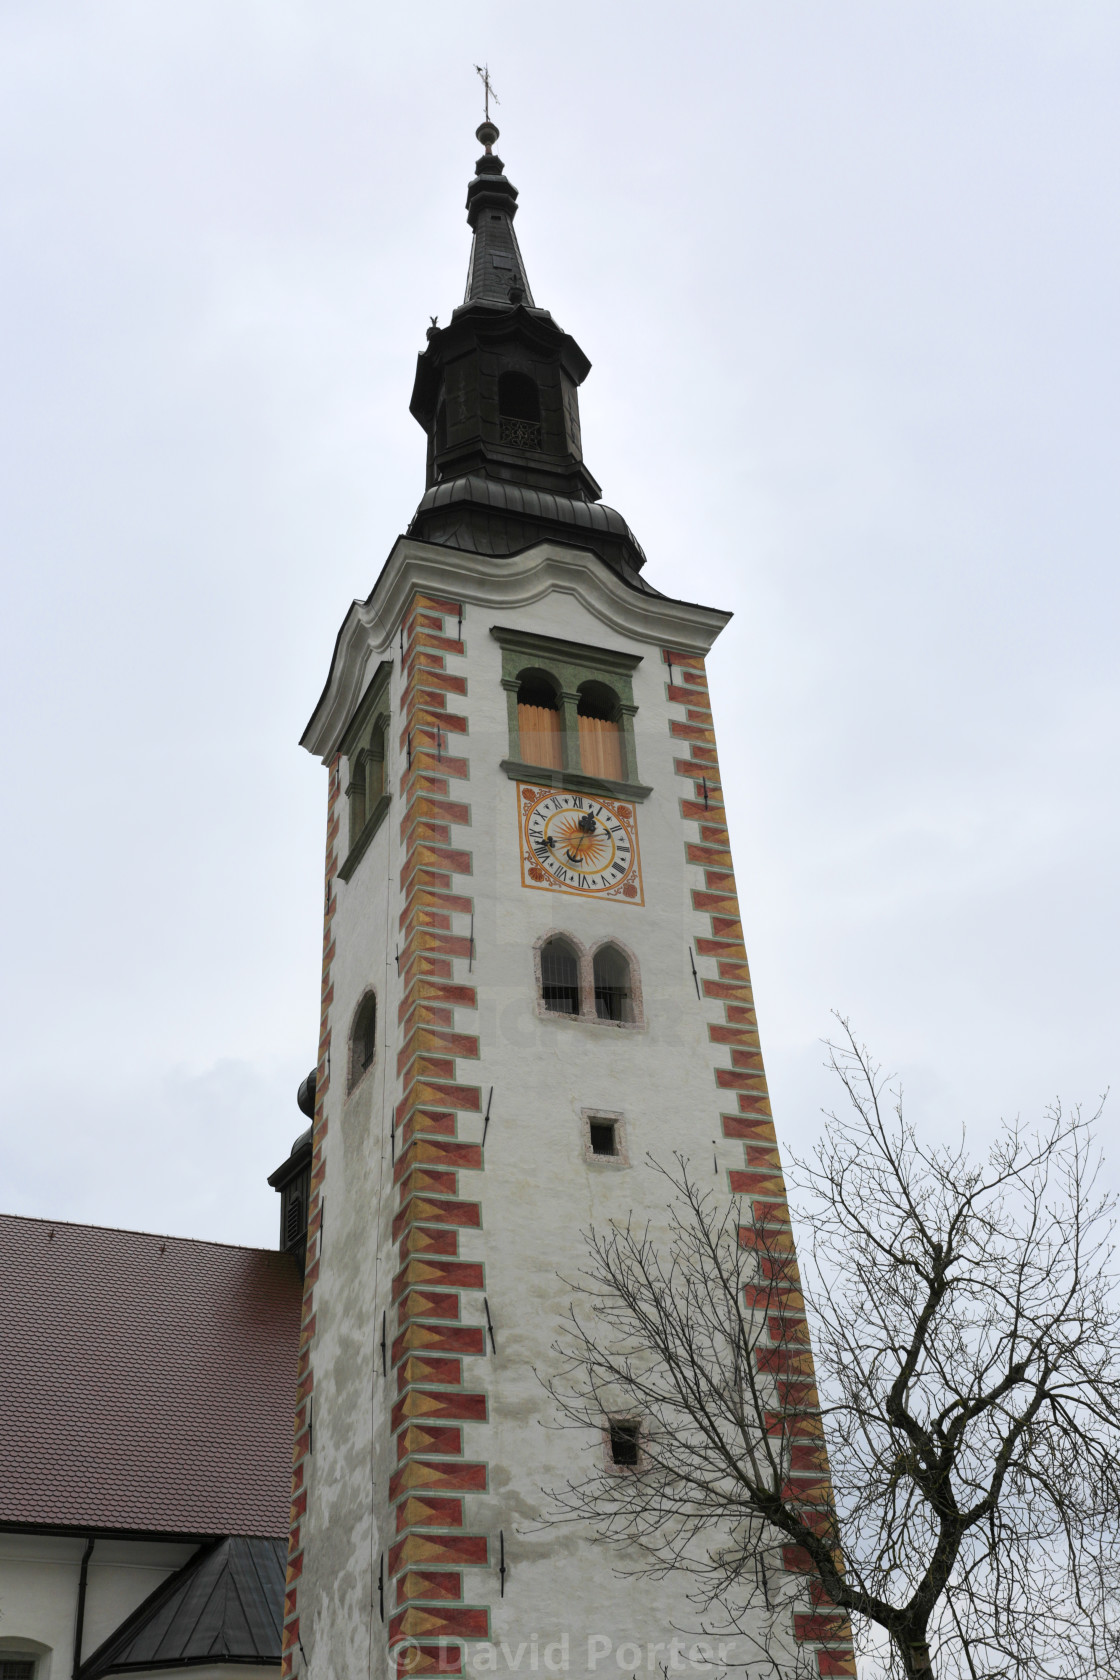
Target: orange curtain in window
{"type": "Point", "coordinates": [539, 730]}
{"type": "Point", "coordinates": [600, 750]}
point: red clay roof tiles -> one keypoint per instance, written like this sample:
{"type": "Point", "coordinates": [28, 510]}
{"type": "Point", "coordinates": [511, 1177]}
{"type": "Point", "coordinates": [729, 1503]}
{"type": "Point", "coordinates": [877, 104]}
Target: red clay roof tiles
{"type": "Point", "coordinates": [146, 1382]}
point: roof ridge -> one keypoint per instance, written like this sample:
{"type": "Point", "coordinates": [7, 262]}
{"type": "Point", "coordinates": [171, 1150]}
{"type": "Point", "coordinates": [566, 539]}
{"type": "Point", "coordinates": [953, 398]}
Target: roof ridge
{"type": "Point", "coordinates": [134, 1231]}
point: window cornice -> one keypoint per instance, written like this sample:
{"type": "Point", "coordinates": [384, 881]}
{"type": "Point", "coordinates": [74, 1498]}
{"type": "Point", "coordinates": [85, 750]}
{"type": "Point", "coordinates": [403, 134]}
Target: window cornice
{"type": "Point", "coordinates": [574, 781]}
{"type": "Point", "coordinates": [551, 648]}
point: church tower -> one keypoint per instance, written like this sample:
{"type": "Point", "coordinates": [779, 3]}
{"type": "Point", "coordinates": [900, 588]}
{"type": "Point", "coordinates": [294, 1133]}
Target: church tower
{"type": "Point", "coordinates": [533, 978]}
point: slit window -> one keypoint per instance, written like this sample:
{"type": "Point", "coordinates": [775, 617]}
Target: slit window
{"type": "Point", "coordinates": [626, 1439]}
{"type": "Point", "coordinates": [363, 1039]}
{"type": "Point", "coordinates": [539, 724]}
{"type": "Point", "coordinates": [600, 742]}
{"type": "Point", "coordinates": [559, 978]}
{"type": "Point", "coordinates": [613, 998]}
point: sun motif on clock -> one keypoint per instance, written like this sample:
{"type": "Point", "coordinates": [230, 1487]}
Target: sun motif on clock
{"type": "Point", "coordinates": [578, 843]}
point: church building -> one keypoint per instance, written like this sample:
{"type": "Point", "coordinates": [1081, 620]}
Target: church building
{"type": "Point", "coordinates": [534, 979]}
{"type": "Point", "coordinates": [534, 986]}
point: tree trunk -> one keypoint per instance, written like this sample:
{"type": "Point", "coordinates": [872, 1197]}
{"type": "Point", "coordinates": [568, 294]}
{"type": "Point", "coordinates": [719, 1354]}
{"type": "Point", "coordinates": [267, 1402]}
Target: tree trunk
{"type": "Point", "coordinates": [914, 1651]}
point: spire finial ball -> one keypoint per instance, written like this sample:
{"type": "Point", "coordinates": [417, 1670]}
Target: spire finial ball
{"type": "Point", "coordinates": [486, 133]}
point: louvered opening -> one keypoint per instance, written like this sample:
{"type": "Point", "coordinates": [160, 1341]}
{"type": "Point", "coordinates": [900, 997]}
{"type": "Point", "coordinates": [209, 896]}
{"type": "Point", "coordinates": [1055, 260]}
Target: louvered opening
{"type": "Point", "coordinates": [539, 724]}
{"type": "Point", "coordinates": [540, 734]}
{"type": "Point", "coordinates": [293, 1220]}
{"type": "Point", "coordinates": [600, 744]}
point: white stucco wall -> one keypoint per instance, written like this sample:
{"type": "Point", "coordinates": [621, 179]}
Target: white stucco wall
{"type": "Point", "coordinates": [537, 1191]}
{"type": "Point", "coordinates": [39, 1592]}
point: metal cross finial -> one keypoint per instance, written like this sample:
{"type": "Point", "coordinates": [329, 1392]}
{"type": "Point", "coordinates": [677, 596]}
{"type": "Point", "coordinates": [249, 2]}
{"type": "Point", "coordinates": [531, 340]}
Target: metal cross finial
{"type": "Point", "coordinates": [483, 70]}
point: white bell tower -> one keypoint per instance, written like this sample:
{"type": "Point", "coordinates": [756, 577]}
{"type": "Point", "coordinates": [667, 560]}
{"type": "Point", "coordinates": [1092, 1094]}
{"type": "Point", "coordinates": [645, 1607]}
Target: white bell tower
{"type": "Point", "coordinates": [534, 976]}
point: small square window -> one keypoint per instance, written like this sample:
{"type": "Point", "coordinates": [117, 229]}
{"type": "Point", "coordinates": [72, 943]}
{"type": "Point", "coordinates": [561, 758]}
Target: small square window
{"type": "Point", "coordinates": [603, 1139]}
{"type": "Point", "coordinates": [626, 1440]}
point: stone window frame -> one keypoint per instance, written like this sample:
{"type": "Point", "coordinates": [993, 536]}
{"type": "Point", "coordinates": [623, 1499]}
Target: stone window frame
{"type": "Point", "coordinates": [608, 1163]}
{"type": "Point", "coordinates": [367, 736]}
{"type": "Point", "coordinates": [585, 959]}
{"type": "Point", "coordinates": [570, 665]}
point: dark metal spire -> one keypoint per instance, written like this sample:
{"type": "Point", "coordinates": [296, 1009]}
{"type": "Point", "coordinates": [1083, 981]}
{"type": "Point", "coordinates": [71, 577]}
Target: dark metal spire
{"type": "Point", "coordinates": [497, 269]}
{"type": "Point", "coordinates": [497, 392]}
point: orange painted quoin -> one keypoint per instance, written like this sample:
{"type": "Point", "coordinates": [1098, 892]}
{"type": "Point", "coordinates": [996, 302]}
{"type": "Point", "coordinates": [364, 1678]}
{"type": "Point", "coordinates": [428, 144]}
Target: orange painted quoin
{"type": "Point", "coordinates": [432, 1352]}
{"type": "Point", "coordinates": [430, 1348]}
{"type": "Point", "coordinates": [761, 1180]}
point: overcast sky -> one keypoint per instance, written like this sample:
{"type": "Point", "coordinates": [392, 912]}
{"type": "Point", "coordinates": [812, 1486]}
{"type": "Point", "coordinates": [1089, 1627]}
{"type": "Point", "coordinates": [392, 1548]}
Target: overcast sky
{"type": "Point", "coordinates": [847, 273]}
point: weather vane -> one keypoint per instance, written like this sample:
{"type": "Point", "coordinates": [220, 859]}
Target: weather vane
{"type": "Point", "coordinates": [483, 70]}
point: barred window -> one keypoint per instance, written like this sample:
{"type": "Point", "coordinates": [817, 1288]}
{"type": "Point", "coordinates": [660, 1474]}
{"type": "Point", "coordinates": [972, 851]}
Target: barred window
{"type": "Point", "coordinates": [559, 977]}
{"type": "Point", "coordinates": [613, 993]}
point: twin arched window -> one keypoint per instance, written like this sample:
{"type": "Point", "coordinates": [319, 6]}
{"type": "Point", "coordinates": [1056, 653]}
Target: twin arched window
{"type": "Point", "coordinates": [363, 1040]}
{"type": "Point", "coordinates": [594, 986]}
{"type": "Point", "coordinates": [540, 724]}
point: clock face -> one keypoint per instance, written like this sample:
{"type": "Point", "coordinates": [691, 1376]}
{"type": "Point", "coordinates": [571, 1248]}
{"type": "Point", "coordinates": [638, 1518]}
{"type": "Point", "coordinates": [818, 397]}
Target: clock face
{"type": "Point", "coordinates": [578, 843]}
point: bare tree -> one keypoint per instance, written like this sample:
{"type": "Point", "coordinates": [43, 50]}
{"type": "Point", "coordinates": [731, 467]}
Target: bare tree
{"type": "Point", "coordinates": [964, 1323]}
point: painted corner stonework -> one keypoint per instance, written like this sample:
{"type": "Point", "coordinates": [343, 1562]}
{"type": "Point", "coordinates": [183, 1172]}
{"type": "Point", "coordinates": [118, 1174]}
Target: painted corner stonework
{"type": "Point", "coordinates": [760, 1181]}
{"type": "Point", "coordinates": [430, 1354]}
{"type": "Point", "coordinates": [434, 1357]}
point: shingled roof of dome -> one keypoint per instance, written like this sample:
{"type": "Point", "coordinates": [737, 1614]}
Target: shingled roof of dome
{"type": "Point", "coordinates": [147, 1383]}
{"type": "Point", "coordinates": [535, 515]}
{"type": "Point", "coordinates": [225, 1605]}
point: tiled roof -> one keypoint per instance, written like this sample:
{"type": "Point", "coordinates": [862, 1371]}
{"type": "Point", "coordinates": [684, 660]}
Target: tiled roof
{"type": "Point", "coordinates": [146, 1383]}
{"type": "Point", "coordinates": [225, 1605]}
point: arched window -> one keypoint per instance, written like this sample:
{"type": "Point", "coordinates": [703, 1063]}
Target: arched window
{"type": "Point", "coordinates": [519, 410]}
{"type": "Point", "coordinates": [613, 992]}
{"type": "Point", "coordinates": [363, 1039]}
{"type": "Point", "coordinates": [367, 783]}
{"type": "Point", "coordinates": [375, 768]}
{"type": "Point", "coordinates": [518, 397]}
{"type": "Point", "coordinates": [559, 977]}
{"type": "Point", "coordinates": [600, 746]}
{"type": "Point", "coordinates": [539, 724]}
